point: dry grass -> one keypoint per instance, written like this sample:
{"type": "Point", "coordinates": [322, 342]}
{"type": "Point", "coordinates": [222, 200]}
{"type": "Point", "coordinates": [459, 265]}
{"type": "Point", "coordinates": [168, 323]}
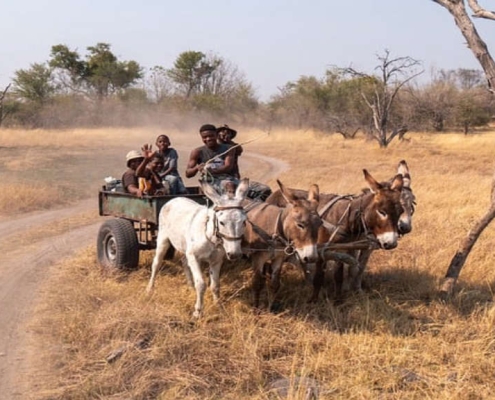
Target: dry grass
{"type": "Point", "coordinates": [44, 169]}
{"type": "Point", "coordinates": [395, 341]}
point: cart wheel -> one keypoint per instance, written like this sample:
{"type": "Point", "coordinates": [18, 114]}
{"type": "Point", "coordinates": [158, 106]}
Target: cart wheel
{"type": "Point", "coordinates": [117, 245]}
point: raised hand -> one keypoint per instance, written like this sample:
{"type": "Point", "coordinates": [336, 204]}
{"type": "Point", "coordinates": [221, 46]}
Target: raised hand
{"type": "Point", "coordinates": [147, 151]}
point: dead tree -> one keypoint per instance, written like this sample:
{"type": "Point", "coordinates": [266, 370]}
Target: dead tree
{"type": "Point", "coordinates": [458, 10]}
{"type": "Point", "coordinates": [3, 112]}
{"type": "Point", "coordinates": [393, 75]}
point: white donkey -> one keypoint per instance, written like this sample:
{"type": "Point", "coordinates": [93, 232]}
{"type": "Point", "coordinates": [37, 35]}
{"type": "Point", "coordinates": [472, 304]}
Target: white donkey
{"type": "Point", "coordinates": [205, 235]}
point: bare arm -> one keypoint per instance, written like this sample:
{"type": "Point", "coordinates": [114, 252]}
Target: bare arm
{"type": "Point", "coordinates": [227, 166]}
{"type": "Point", "coordinates": [148, 156]}
{"type": "Point", "coordinates": [192, 165]}
{"type": "Point", "coordinates": [133, 189]}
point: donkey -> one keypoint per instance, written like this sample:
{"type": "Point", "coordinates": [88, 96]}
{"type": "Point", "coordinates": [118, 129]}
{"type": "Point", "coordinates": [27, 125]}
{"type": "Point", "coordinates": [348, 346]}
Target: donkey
{"type": "Point", "coordinates": [408, 202]}
{"type": "Point", "coordinates": [407, 199]}
{"type": "Point", "coordinates": [273, 233]}
{"type": "Point", "coordinates": [204, 235]}
{"type": "Point", "coordinates": [374, 213]}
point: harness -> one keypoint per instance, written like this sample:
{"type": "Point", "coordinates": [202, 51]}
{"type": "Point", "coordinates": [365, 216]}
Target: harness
{"type": "Point", "coordinates": [216, 231]}
{"type": "Point", "coordinates": [277, 236]}
{"type": "Point", "coordinates": [335, 228]}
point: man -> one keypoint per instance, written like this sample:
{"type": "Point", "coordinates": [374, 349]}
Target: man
{"type": "Point", "coordinates": [257, 190]}
{"type": "Point", "coordinates": [213, 161]}
{"type": "Point", "coordinates": [130, 180]}
{"type": "Point", "coordinates": [225, 136]}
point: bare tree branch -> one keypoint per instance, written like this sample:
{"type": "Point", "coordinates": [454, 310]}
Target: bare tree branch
{"type": "Point", "coordinates": [480, 12]}
{"type": "Point", "coordinates": [458, 10]}
{"type": "Point", "coordinates": [394, 74]}
{"type": "Point", "coordinates": [475, 43]}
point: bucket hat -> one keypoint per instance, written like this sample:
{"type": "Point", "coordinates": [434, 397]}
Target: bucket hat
{"type": "Point", "coordinates": [233, 132]}
{"type": "Point", "coordinates": [133, 155]}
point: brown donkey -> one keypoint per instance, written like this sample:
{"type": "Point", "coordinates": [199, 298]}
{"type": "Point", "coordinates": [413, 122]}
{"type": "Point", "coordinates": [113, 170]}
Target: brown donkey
{"type": "Point", "coordinates": [273, 233]}
{"type": "Point", "coordinates": [374, 213]}
{"type": "Point", "coordinates": [408, 202]}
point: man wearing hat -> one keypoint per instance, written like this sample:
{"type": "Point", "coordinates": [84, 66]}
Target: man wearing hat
{"type": "Point", "coordinates": [213, 161]}
{"type": "Point", "coordinates": [129, 179]}
{"type": "Point", "coordinates": [225, 136]}
{"type": "Point", "coordinates": [257, 190]}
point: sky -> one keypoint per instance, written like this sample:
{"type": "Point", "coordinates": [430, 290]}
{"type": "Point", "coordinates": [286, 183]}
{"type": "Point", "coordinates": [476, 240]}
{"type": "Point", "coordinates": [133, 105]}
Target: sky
{"type": "Point", "coordinates": [271, 41]}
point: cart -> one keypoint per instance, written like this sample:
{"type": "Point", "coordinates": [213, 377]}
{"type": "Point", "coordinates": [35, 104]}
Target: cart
{"type": "Point", "coordinates": [134, 225]}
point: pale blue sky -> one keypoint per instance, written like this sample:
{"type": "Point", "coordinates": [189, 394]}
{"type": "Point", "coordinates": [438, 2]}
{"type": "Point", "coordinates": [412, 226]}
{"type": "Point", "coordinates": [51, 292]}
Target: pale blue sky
{"type": "Point", "coordinates": [271, 41]}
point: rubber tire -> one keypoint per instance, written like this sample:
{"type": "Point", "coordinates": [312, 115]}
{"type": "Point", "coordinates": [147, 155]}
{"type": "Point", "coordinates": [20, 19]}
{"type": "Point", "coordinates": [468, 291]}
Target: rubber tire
{"type": "Point", "coordinates": [117, 245]}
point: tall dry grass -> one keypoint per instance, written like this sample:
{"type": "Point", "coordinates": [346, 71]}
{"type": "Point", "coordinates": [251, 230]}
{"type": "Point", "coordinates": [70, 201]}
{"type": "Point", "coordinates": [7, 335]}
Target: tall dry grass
{"type": "Point", "coordinates": [394, 341]}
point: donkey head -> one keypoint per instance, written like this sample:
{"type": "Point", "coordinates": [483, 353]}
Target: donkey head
{"type": "Point", "coordinates": [381, 216]}
{"type": "Point", "coordinates": [229, 218]}
{"type": "Point", "coordinates": [407, 199]}
{"type": "Point", "coordinates": [301, 222]}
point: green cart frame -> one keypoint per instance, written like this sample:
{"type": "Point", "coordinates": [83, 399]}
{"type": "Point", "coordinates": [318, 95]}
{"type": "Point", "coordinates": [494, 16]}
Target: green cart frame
{"type": "Point", "coordinates": [134, 226]}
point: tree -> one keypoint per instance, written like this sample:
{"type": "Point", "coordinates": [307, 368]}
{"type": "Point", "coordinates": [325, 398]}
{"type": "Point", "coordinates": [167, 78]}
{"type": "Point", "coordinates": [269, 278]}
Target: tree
{"type": "Point", "coordinates": [101, 74]}
{"type": "Point", "coordinates": [347, 114]}
{"type": "Point", "coordinates": [158, 84]}
{"type": "Point", "coordinates": [34, 84]}
{"type": "Point", "coordinates": [209, 82]}
{"type": "Point", "coordinates": [473, 109]}
{"type": "Point", "coordinates": [3, 111]}
{"type": "Point", "coordinates": [189, 70]}
{"type": "Point", "coordinates": [394, 73]}
{"type": "Point", "coordinates": [458, 10]}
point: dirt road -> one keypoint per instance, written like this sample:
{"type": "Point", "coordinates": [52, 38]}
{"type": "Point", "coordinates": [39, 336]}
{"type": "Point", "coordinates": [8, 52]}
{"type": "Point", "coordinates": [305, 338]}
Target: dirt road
{"type": "Point", "coordinates": [24, 268]}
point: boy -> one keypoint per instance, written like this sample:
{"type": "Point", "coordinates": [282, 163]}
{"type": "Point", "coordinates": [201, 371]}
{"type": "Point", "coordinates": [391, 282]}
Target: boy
{"type": "Point", "coordinates": [150, 181]}
{"type": "Point", "coordinates": [169, 172]}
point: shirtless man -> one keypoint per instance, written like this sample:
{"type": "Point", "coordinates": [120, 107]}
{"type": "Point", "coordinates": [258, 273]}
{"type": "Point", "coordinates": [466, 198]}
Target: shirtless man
{"type": "Point", "coordinates": [213, 161]}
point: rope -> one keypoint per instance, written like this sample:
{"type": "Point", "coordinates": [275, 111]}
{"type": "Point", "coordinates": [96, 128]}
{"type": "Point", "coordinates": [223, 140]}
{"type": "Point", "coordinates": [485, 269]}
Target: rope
{"type": "Point", "coordinates": [233, 147]}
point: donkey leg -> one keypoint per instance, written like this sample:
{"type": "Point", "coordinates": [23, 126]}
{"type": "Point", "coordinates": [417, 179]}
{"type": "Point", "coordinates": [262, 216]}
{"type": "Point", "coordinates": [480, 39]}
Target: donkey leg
{"type": "Point", "coordinates": [199, 284]}
{"type": "Point", "coordinates": [339, 279]}
{"type": "Point", "coordinates": [187, 271]}
{"type": "Point", "coordinates": [362, 259]}
{"type": "Point", "coordinates": [318, 279]}
{"type": "Point", "coordinates": [274, 284]}
{"type": "Point", "coordinates": [258, 281]}
{"type": "Point", "coordinates": [161, 249]}
{"type": "Point", "coordinates": [215, 268]}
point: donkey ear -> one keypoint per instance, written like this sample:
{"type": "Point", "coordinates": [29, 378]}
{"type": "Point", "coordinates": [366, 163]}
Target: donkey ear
{"type": "Point", "coordinates": [397, 183]}
{"type": "Point", "coordinates": [242, 189]}
{"type": "Point", "coordinates": [314, 195]}
{"type": "Point", "coordinates": [210, 192]}
{"type": "Point", "coordinates": [403, 169]}
{"type": "Point", "coordinates": [372, 182]}
{"type": "Point", "coordinates": [288, 195]}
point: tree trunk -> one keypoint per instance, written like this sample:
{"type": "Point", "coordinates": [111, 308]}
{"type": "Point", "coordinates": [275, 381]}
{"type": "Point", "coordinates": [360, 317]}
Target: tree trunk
{"type": "Point", "coordinates": [474, 41]}
{"type": "Point", "coordinates": [462, 253]}
{"type": "Point", "coordinates": [465, 247]}
{"type": "Point", "coordinates": [458, 9]}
